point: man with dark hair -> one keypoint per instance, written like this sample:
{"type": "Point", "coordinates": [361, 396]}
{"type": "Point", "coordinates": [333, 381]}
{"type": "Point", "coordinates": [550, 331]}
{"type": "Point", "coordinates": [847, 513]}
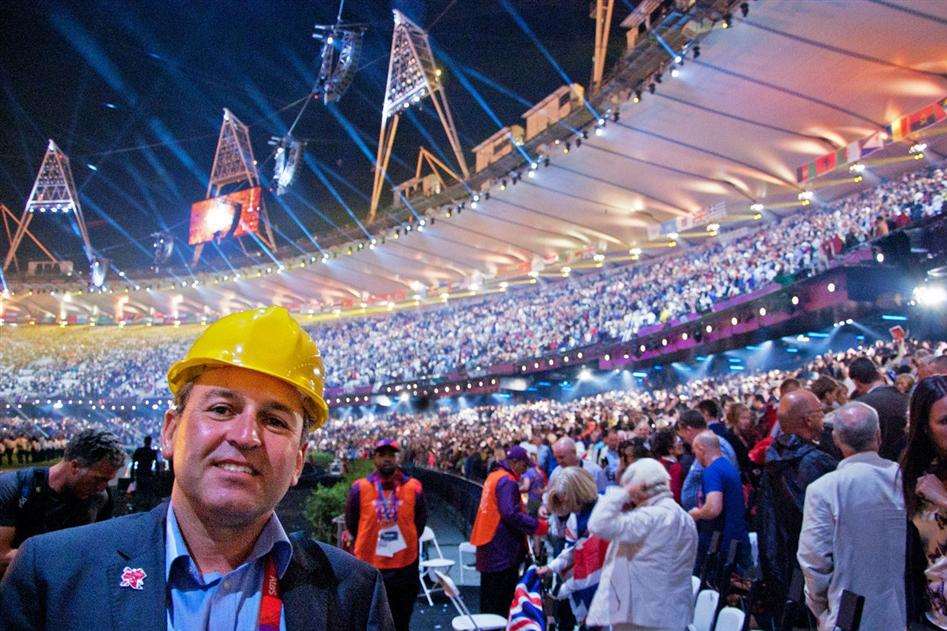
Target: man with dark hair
{"type": "Point", "coordinates": [790, 384]}
{"type": "Point", "coordinates": [143, 473]}
{"type": "Point", "coordinates": [385, 516]}
{"type": "Point", "coordinates": [711, 411]}
{"type": "Point", "coordinates": [891, 405]}
{"type": "Point", "coordinates": [70, 493]}
{"type": "Point", "coordinates": [246, 394]}
{"type": "Point", "coordinates": [830, 392]}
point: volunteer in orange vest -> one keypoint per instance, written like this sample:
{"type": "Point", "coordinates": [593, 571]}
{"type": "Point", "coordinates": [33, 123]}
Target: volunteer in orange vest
{"type": "Point", "coordinates": [385, 514]}
{"type": "Point", "coordinates": [500, 531]}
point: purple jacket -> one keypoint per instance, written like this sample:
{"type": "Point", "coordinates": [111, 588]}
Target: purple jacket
{"type": "Point", "coordinates": [508, 547]}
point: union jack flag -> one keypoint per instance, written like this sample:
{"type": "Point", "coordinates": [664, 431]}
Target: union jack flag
{"type": "Point", "coordinates": [526, 611]}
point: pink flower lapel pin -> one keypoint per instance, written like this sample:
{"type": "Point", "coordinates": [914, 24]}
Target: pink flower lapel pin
{"type": "Point", "coordinates": [133, 577]}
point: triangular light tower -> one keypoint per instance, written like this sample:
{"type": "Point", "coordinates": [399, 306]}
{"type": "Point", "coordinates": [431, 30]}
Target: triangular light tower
{"type": "Point", "coordinates": [412, 76]}
{"type": "Point", "coordinates": [234, 164]}
{"type": "Point", "coordinates": [54, 193]}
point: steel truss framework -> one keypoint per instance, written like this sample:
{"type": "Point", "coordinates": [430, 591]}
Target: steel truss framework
{"type": "Point", "coordinates": [602, 15]}
{"type": "Point", "coordinates": [54, 192]}
{"type": "Point", "coordinates": [412, 76]}
{"type": "Point", "coordinates": [234, 164]}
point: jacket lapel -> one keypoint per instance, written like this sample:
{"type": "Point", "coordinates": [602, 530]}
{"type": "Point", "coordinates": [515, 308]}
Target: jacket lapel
{"type": "Point", "coordinates": [143, 608]}
{"type": "Point", "coordinates": [308, 588]}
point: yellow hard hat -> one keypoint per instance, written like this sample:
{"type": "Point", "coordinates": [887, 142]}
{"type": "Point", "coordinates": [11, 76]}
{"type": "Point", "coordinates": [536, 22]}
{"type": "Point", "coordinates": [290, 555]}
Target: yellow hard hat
{"type": "Point", "coordinates": [267, 340]}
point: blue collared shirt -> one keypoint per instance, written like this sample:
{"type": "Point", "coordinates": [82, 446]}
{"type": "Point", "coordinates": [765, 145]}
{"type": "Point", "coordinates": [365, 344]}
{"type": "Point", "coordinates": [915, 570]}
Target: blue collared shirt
{"type": "Point", "coordinates": [215, 601]}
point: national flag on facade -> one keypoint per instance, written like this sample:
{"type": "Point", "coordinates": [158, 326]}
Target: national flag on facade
{"type": "Point", "coordinates": [526, 610]}
{"type": "Point", "coordinates": [853, 152]}
{"type": "Point", "coordinates": [825, 163]}
{"type": "Point", "coordinates": [926, 117]}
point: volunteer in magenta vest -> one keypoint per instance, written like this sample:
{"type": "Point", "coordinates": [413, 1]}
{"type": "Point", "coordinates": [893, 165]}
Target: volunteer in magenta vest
{"type": "Point", "coordinates": [385, 514]}
{"type": "Point", "coordinates": [500, 531]}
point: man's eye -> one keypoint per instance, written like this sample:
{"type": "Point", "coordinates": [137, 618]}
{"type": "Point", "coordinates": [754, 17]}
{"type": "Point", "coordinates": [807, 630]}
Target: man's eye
{"type": "Point", "coordinates": [220, 409]}
{"type": "Point", "coordinates": [276, 422]}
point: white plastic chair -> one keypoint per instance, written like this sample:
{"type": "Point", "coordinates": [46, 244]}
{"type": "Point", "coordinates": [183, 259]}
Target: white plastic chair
{"type": "Point", "coordinates": [432, 563]}
{"type": "Point", "coordinates": [467, 621]}
{"type": "Point", "coordinates": [470, 549]}
{"type": "Point", "coordinates": [730, 619]}
{"type": "Point", "coordinates": [704, 610]}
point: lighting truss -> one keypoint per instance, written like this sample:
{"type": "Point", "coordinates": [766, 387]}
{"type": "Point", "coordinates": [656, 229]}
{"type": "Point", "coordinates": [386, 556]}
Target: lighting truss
{"type": "Point", "coordinates": [341, 49]}
{"type": "Point", "coordinates": [54, 192]}
{"type": "Point", "coordinates": [234, 164]}
{"type": "Point", "coordinates": [412, 77]}
{"type": "Point", "coordinates": [286, 158]}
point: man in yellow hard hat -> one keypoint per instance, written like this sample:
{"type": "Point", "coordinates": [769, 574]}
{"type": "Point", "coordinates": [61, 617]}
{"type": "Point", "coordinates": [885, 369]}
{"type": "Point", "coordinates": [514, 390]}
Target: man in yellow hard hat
{"type": "Point", "coordinates": [216, 556]}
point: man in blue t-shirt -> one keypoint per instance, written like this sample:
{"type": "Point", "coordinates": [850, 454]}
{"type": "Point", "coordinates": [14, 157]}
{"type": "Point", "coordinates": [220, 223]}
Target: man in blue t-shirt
{"type": "Point", "coordinates": [722, 508]}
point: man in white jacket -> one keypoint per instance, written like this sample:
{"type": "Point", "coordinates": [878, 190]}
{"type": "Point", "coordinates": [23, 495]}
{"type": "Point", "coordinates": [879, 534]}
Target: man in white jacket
{"type": "Point", "coordinates": [646, 580]}
{"type": "Point", "coordinates": [853, 528]}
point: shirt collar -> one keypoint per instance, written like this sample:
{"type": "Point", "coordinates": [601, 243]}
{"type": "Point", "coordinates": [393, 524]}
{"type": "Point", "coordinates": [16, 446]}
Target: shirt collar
{"type": "Point", "coordinates": [867, 457]}
{"type": "Point", "coordinates": [272, 539]}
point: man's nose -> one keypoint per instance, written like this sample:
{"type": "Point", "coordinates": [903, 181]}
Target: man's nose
{"type": "Point", "coordinates": [244, 431]}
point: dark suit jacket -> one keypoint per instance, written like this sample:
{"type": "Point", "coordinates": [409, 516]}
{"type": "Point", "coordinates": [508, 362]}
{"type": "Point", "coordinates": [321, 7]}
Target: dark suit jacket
{"type": "Point", "coordinates": [892, 408]}
{"type": "Point", "coordinates": [70, 580]}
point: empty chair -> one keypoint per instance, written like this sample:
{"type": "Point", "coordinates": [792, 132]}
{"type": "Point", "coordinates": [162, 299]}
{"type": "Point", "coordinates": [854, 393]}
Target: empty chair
{"type": "Point", "coordinates": [705, 610]}
{"type": "Point", "coordinates": [430, 563]}
{"type": "Point", "coordinates": [469, 549]}
{"type": "Point", "coordinates": [730, 619]}
{"type": "Point", "coordinates": [466, 621]}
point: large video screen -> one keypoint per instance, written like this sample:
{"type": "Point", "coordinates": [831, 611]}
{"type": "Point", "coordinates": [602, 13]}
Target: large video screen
{"type": "Point", "coordinates": [235, 214]}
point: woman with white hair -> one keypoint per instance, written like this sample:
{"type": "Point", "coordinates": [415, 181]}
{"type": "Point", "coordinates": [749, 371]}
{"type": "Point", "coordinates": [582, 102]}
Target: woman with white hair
{"type": "Point", "coordinates": [646, 581]}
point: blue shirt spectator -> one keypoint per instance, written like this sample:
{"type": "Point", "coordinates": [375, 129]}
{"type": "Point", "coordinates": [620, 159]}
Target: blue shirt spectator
{"type": "Point", "coordinates": [693, 480]}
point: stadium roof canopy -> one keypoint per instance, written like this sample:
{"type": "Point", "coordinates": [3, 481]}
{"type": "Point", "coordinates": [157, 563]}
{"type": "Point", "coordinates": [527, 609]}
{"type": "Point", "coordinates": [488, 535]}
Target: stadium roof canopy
{"type": "Point", "coordinates": [791, 82]}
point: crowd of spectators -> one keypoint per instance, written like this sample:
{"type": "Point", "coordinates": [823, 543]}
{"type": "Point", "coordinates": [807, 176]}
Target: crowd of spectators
{"type": "Point", "coordinates": [455, 440]}
{"type": "Point", "coordinates": [809, 462]}
{"type": "Point", "coordinates": [87, 362]}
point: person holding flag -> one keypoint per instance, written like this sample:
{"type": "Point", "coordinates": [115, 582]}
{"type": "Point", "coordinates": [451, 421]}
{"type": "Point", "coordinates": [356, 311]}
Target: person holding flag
{"type": "Point", "coordinates": [572, 496]}
{"type": "Point", "coordinates": [385, 514]}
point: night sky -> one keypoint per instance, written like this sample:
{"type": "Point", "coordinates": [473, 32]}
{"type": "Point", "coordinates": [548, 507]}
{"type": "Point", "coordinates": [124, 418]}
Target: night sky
{"type": "Point", "coordinates": [136, 89]}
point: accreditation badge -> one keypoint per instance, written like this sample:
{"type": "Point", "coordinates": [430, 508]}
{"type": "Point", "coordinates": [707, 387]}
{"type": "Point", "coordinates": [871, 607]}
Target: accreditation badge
{"type": "Point", "coordinates": [390, 541]}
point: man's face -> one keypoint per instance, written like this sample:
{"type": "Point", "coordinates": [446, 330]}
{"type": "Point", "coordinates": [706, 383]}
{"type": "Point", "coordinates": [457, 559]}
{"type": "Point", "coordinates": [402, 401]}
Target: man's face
{"type": "Point", "coordinates": [519, 466]}
{"type": "Point", "coordinates": [612, 440]}
{"type": "Point", "coordinates": [687, 434]}
{"type": "Point", "coordinates": [236, 445]}
{"type": "Point", "coordinates": [386, 461]}
{"type": "Point", "coordinates": [565, 456]}
{"type": "Point", "coordinates": [84, 482]}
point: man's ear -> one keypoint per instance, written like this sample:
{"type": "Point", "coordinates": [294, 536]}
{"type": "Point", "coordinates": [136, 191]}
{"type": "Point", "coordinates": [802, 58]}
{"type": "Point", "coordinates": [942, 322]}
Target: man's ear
{"type": "Point", "coordinates": [300, 460]}
{"type": "Point", "coordinates": [168, 429]}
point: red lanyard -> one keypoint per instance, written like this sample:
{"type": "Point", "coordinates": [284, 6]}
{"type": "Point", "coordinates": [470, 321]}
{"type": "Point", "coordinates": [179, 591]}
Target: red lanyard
{"type": "Point", "coordinates": [271, 605]}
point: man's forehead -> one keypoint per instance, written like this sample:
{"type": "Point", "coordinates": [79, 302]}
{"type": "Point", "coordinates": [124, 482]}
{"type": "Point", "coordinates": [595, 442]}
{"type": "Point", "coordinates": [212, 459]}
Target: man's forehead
{"type": "Point", "coordinates": [243, 384]}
